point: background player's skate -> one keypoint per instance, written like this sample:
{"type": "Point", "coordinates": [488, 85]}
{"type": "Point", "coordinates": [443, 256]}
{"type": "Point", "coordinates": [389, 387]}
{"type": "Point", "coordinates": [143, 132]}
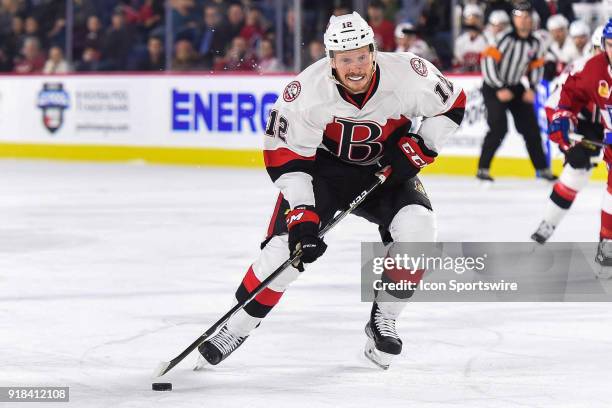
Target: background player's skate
{"type": "Point", "coordinates": [604, 259]}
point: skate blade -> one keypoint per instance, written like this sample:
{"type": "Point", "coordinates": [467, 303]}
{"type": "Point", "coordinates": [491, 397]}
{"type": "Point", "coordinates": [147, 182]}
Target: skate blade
{"type": "Point", "coordinates": [200, 364]}
{"type": "Point", "coordinates": [538, 239]}
{"type": "Point", "coordinates": [379, 358]}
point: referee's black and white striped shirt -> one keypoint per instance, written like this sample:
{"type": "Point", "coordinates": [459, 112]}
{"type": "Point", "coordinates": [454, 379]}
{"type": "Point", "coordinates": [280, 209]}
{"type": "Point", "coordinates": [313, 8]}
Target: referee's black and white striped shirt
{"type": "Point", "coordinates": [509, 57]}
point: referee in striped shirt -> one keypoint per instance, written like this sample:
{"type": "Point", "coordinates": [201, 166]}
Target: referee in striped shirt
{"type": "Point", "coordinates": [514, 53]}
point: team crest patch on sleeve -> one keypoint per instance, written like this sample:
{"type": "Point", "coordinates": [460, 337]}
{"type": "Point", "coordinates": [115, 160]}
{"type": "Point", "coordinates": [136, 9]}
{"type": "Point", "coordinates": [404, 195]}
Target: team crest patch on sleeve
{"type": "Point", "coordinates": [603, 90]}
{"type": "Point", "coordinates": [419, 66]}
{"type": "Point", "coordinates": [292, 91]}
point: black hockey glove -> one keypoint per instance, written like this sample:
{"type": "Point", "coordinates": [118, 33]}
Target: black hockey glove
{"type": "Point", "coordinates": [579, 156]}
{"type": "Point", "coordinates": [303, 226]}
{"type": "Point", "coordinates": [407, 155]}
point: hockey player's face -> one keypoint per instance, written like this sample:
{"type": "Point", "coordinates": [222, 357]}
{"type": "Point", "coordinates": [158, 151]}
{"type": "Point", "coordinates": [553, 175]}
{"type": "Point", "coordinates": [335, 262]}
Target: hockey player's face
{"type": "Point", "coordinates": [608, 45]}
{"type": "Point", "coordinates": [354, 68]}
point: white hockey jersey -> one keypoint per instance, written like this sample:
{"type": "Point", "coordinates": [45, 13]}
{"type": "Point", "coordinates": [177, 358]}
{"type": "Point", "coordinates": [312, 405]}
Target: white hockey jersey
{"type": "Point", "coordinates": [467, 51]}
{"type": "Point", "coordinates": [315, 112]}
{"type": "Point", "coordinates": [563, 54]}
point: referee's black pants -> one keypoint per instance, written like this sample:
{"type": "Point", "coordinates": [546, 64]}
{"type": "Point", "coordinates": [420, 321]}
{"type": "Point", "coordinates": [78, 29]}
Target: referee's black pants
{"type": "Point", "coordinates": [525, 122]}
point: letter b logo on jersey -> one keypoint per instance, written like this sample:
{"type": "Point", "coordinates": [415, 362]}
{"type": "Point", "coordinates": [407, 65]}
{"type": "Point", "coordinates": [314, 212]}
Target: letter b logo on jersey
{"type": "Point", "coordinates": [358, 140]}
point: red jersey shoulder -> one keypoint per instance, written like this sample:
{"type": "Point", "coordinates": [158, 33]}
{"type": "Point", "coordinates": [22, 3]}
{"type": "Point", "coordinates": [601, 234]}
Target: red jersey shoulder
{"type": "Point", "coordinates": [595, 69]}
{"type": "Point", "coordinates": [596, 76]}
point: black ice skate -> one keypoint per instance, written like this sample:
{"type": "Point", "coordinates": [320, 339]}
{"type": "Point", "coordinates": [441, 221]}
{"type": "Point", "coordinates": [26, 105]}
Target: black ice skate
{"type": "Point", "coordinates": [383, 342]}
{"type": "Point", "coordinates": [218, 348]}
{"type": "Point", "coordinates": [604, 258]}
{"type": "Point", "coordinates": [544, 231]}
{"type": "Point", "coordinates": [483, 175]}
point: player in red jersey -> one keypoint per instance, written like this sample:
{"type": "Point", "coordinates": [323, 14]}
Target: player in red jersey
{"type": "Point", "coordinates": [591, 85]}
{"type": "Point", "coordinates": [576, 171]}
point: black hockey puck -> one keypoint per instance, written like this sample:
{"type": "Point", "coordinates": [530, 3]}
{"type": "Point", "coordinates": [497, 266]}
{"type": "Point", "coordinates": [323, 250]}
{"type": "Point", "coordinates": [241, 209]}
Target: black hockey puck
{"type": "Point", "coordinates": [161, 386]}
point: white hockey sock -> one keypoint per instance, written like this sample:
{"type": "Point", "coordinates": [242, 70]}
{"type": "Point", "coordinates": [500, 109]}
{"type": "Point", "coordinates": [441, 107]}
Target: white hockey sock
{"type": "Point", "coordinates": [391, 309]}
{"type": "Point", "coordinates": [564, 192]}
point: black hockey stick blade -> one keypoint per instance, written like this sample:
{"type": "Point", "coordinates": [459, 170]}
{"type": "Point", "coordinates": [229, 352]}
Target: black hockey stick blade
{"type": "Point", "coordinates": [166, 366]}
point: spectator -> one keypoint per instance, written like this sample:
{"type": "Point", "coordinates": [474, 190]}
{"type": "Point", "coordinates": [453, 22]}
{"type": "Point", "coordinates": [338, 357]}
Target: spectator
{"type": "Point", "coordinates": [253, 29]}
{"type": "Point", "coordinates": [32, 29]}
{"type": "Point", "coordinates": [288, 38]}
{"type": "Point", "coordinates": [56, 64]}
{"type": "Point", "coordinates": [580, 32]}
{"type": "Point", "coordinates": [184, 20]}
{"type": "Point", "coordinates": [57, 34]}
{"type": "Point", "coordinates": [32, 59]}
{"type": "Point", "coordinates": [154, 59]}
{"type": "Point", "coordinates": [316, 51]}
{"type": "Point", "coordinates": [435, 28]}
{"type": "Point", "coordinates": [185, 57]}
{"type": "Point", "coordinates": [340, 10]}
{"type": "Point", "coordinates": [94, 36]}
{"type": "Point", "coordinates": [83, 9]}
{"type": "Point", "coordinates": [411, 10]}
{"type": "Point", "coordinates": [235, 19]}
{"type": "Point", "coordinates": [497, 5]}
{"type": "Point", "coordinates": [130, 13]}
{"type": "Point", "coordinates": [549, 8]}
{"type": "Point", "coordinates": [238, 57]}
{"type": "Point", "coordinates": [150, 15]}
{"type": "Point", "coordinates": [562, 50]}
{"type": "Point", "coordinates": [408, 41]}
{"type": "Point", "coordinates": [471, 42]}
{"type": "Point", "coordinates": [383, 29]}
{"type": "Point", "coordinates": [8, 10]}
{"type": "Point", "coordinates": [90, 61]}
{"type": "Point", "coordinates": [214, 36]}
{"type": "Point", "coordinates": [267, 59]}
{"type": "Point", "coordinates": [6, 64]}
{"type": "Point", "coordinates": [391, 8]}
{"type": "Point", "coordinates": [13, 42]}
{"type": "Point", "coordinates": [117, 42]}
{"type": "Point", "coordinates": [498, 22]}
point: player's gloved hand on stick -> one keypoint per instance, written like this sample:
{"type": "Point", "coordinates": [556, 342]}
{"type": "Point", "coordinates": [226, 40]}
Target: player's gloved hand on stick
{"type": "Point", "coordinates": [579, 156]}
{"type": "Point", "coordinates": [562, 124]}
{"type": "Point", "coordinates": [303, 225]}
{"type": "Point", "coordinates": [407, 155]}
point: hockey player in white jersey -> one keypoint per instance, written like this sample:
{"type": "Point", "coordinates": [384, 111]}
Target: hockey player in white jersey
{"type": "Point", "coordinates": [332, 128]}
{"type": "Point", "coordinates": [577, 170]}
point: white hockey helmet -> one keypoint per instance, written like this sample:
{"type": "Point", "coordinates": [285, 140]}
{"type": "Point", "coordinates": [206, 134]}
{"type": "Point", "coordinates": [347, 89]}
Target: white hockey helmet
{"type": "Point", "coordinates": [596, 37]}
{"type": "Point", "coordinates": [499, 17]}
{"type": "Point", "coordinates": [579, 28]}
{"type": "Point", "coordinates": [347, 32]}
{"type": "Point", "coordinates": [556, 22]}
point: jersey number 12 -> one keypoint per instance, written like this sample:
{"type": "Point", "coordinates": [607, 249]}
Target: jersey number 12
{"type": "Point", "coordinates": [442, 87]}
{"type": "Point", "coordinates": [277, 129]}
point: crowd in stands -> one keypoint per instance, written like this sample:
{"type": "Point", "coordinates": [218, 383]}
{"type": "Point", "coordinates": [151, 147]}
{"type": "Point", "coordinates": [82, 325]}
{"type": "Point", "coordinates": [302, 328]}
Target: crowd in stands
{"type": "Point", "coordinates": [209, 35]}
{"type": "Point", "coordinates": [565, 37]}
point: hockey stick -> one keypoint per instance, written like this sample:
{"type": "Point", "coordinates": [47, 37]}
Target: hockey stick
{"type": "Point", "coordinates": [166, 366]}
{"type": "Point", "coordinates": [588, 142]}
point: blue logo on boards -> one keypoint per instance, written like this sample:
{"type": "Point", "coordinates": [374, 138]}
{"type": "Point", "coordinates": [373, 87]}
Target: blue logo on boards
{"type": "Point", "coordinates": [220, 112]}
{"type": "Point", "coordinates": [53, 100]}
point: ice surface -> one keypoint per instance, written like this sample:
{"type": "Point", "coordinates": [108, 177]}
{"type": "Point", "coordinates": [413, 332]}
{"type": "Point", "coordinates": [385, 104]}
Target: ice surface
{"type": "Point", "coordinates": [107, 269]}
